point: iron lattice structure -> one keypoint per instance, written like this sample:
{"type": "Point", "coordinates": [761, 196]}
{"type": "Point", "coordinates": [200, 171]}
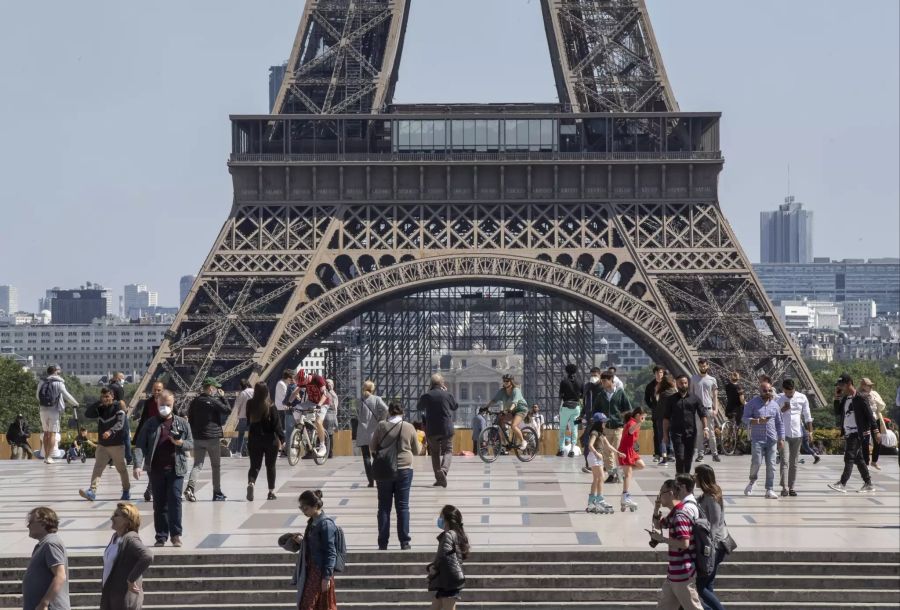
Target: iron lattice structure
{"type": "Point", "coordinates": [405, 340]}
{"type": "Point", "coordinates": [608, 200]}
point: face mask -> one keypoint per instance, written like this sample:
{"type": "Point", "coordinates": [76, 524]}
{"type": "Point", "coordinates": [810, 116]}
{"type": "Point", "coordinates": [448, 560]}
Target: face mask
{"type": "Point", "coordinates": [595, 380]}
{"type": "Point", "coordinates": [165, 410]}
{"type": "Point", "coordinates": [440, 522]}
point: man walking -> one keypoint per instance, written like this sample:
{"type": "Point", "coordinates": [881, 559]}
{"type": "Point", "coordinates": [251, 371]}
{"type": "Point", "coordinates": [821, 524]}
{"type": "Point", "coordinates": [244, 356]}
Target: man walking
{"type": "Point", "coordinates": [795, 411]}
{"type": "Point", "coordinates": [569, 410]}
{"type": "Point", "coordinates": [46, 582]}
{"type": "Point", "coordinates": [331, 418]}
{"type": "Point", "coordinates": [281, 396]}
{"type": "Point", "coordinates": [149, 409]}
{"type": "Point", "coordinates": [857, 423]}
{"type": "Point", "coordinates": [205, 415]}
{"type": "Point", "coordinates": [680, 417]}
{"type": "Point", "coordinates": [439, 406]}
{"type": "Point", "coordinates": [680, 587]}
{"type": "Point", "coordinates": [651, 401]}
{"type": "Point", "coordinates": [479, 422]}
{"type": "Point", "coordinates": [615, 405]}
{"type": "Point", "coordinates": [117, 385]}
{"type": "Point", "coordinates": [110, 443]}
{"type": "Point", "coordinates": [162, 448]}
{"type": "Point", "coordinates": [17, 436]}
{"type": "Point", "coordinates": [705, 387]}
{"type": "Point", "coordinates": [763, 415]}
{"type": "Point", "coordinates": [240, 409]}
{"type": "Point", "coordinates": [52, 397]}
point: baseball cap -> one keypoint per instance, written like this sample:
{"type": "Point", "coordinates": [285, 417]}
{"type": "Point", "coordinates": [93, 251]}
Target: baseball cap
{"type": "Point", "coordinates": [211, 381]}
{"type": "Point", "coordinates": [844, 379]}
{"type": "Point", "coordinates": [599, 417]}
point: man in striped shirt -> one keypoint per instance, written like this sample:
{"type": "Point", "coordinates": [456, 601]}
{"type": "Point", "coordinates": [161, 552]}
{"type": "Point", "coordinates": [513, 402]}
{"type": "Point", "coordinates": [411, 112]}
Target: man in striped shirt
{"type": "Point", "coordinates": [679, 588]}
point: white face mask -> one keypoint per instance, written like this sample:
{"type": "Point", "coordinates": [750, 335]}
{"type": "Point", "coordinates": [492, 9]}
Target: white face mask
{"type": "Point", "coordinates": [165, 410]}
{"type": "Point", "coordinates": [595, 380]}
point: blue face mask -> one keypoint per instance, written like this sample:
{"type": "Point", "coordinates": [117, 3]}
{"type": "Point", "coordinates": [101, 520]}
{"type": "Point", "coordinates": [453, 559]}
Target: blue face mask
{"type": "Point", "coordinates": [440, 522]}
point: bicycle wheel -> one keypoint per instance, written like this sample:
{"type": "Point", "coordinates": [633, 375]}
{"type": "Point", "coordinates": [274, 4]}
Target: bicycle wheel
{"type": "Point", "coordinates": [315, 441]}
{"type": "Point", "coordinates": [294, 447]}
{"type": "Point", "coordinates": [531, 439]}
{"type": "Point", "coordinates": [489, 445]}
{"type": "Point", "coordinates": [729, 438]}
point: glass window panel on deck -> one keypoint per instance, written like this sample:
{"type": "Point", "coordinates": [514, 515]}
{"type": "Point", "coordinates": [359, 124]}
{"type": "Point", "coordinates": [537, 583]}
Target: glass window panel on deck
{"type": "Point", "coordinates": [457, 134]}
{"type": "Point", "coordinates": [427, 135]}
{"type": "Point", "coordinates": [493, 135]}
{"type": "Point", "coordinates": [547, 134]}
{"type": "Point", "coordinates": [509, 135]}
{"type": "Point", "coordinates": [623, 135]}
{"type": "Point", "coordinates": [440, 135]}
{"type": "Point", "coordinates": [521, 135]}
{"type": "Point", "coordinates": [469, 135]}
{"type": "Point", "coordinates": [415, 135]}
{"type": "Point", "coordinates": [678, 135]}
{"type": "Point", "coordinates": [596, 135]}
{"type": "Point", "coordinates": [302, 137]}
{"type": "Point", "coordinates": [481, 135]}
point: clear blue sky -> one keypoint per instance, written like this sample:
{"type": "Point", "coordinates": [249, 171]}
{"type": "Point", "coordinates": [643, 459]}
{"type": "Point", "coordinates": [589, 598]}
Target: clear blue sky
{"type": "Point", "coordinates": [115, 116]}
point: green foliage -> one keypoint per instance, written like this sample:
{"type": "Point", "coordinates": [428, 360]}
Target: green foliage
{"type": "Point", "coordinates": [635, 384]}
{"type": "Point", "coordinates": [885, 374]}
{"type": "Point", "coordinates": [17, 395]}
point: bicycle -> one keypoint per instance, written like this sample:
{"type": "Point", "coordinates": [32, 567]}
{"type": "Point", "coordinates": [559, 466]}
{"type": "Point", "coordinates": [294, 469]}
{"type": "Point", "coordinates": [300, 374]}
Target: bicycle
{"type": "Point", "coordinates": [305, 438]}
{"type": "Point", "coordinates": [730, 437]}
{"type": "Point", "coordinates": [494, 439]}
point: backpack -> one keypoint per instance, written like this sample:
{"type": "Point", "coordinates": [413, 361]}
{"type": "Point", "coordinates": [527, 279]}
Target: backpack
{"type": "Point", "coordinates": [704, 547]}
{"type": "Point", "coordinates": [340, 547]}
{"type": "Point", "coordinates": [384, 463]}
{"type": "Point", "coordinates": [48, 394]}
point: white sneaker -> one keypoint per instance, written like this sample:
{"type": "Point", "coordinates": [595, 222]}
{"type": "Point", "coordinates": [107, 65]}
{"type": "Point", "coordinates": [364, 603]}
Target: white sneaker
{"type": "Point", "coordinates": [875, 466]}
{"type": "Point", "coordinates": [838, 487]}
{"type": "Point", "coordinates": [866, 489]}
{"type": "Point", "coordinates": [321, 451]}
{"type": "Point", "coordinates": [771, 495]}
{"type": "Point", "coordinates": [749, 489]}
{"type": "Point", "coordinates": [49, 460]}
{"type": "Point", "coordinates": [523, 446]}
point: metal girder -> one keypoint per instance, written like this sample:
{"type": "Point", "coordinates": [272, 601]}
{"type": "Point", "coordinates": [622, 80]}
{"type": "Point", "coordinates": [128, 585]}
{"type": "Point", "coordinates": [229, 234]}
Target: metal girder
{"type": "Point", "coordinates": [345, 57]}
{"type": "Point", "coordinates": [605, 56]}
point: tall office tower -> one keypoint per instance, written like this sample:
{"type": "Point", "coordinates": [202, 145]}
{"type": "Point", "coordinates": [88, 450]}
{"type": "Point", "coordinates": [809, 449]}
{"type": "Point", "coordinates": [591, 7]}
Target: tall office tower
{"type": "Point", "coordinates": [785, 235]}
{"type": "Point", "coordinates": [9, 299]}
{"type": "Point", "coordinates": [184, 286]}
{"type": "Point", "coordinates": [138, 298]}
{"type": "Point", "coordinates": [276, 75]}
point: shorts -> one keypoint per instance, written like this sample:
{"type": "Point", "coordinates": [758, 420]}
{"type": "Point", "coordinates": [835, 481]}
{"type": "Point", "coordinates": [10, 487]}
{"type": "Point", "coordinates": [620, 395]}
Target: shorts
{"type": "Point", "coordinates": [50, 419]}
{"type": "Point", "coordinates": [593, 460]}
{"type": "Point", "coordinates": [523, 411]}
{"type": "Point", "coordinates": [445, 594]}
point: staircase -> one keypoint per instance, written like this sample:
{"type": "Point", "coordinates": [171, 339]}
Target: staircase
{"type": "Point", "coordinates": [495, 580]}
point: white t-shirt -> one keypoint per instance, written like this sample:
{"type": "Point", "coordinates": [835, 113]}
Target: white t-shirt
{"type": "Point", "coordinates": [849, 417]}
{"type": "Point", "coordinates": [109, 556]}
{"type": "Point", "coordinates": [280, 394]}
{"type": "Point", "coordinates": [799, 413]}
{"type": "Point", "coordinates": [618, 384]}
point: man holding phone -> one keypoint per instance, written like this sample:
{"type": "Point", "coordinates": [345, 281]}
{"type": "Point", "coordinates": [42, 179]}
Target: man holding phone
{"type": "Point", "coordinates": [763, 415]}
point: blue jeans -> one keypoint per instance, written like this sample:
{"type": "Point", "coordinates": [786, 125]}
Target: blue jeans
{"type": "Point", "coordinates": [167, 488]}
{"type": "Point", "coordinates": [758, 449]}
{"type": "Point", "coordinates": [288, 425]}
{"type": "Point", "coordinates": [398, 490]}
{"type": "Point", "coordinates": [705, 585]}
{"type": "Point", "coordinates": [237, 443]}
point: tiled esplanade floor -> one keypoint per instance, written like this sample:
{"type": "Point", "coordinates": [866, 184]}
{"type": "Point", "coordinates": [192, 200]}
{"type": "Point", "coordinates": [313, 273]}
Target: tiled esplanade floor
{"type": "Point", "coordinates": [508, 504]}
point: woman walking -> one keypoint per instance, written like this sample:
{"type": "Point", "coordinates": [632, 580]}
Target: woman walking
{"type": "Point", "coordinates": [665, 389]}
{"type": "Point", "coordinates": [265, 438]}
{"type": "Point", "coordinates": [124, 561]}
{"type": "Point", "coordinates": [714, 510]}
{"type": "Point", "coordinates": [371, 411]}
{"type": "Point", "coordinates": [596, 443]}
{"type": "Point", "coordinates": [316, 550]}
{"type": "Point", "coordinates": [401, 434]}
{"type": "Point", "coordinates": [445, 574]}
{"type": "Point", "coordinates": [629, 458]}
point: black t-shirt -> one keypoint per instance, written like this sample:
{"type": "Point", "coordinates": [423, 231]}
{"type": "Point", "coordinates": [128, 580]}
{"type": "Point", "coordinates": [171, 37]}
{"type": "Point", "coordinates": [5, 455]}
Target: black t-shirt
{"type": "Point", "coordinates": [680, 411]}
{"type": "Point", "coordinates": [732, 397]}
{"type": "Point", "coordinates": [164, 455]}
{"type": "Point", "coordinates": [569, 389]}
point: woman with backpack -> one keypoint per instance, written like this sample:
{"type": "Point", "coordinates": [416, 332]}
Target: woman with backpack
{"type": "Point", "coordinates": [265, 438]}
{"type": "Point", "coordinates": [394, 444]}
{"type": "Point", "coordinates": [371, 411]}
{"type": "Point", "coordinates": [317, 551]}
{"type": "Point", "coordinates": [445, 574]}
{"type": "Point", "coordinates": [714, 510]}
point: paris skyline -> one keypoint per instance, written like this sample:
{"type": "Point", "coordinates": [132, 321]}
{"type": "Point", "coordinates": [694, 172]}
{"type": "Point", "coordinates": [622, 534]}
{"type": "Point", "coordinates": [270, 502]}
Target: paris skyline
{"type": "Point", "coordinates": [134, 183]}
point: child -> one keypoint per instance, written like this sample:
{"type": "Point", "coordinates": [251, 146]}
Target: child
{"type": "Point", "coordinates": [596, 442]}
{"type": "Point", "coordinates": [78, 444]}
{"type": "Point", "coordinates": [628, 456]}
{"type": "Point", "coordinates": [445, 574]}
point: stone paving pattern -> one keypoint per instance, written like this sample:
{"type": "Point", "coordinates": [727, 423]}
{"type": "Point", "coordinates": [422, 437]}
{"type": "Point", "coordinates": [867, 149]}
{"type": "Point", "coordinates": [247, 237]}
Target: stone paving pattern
{"type": "Point", "coordinates": [508, 504]}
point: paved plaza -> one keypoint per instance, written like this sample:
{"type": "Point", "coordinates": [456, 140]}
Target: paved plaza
{"type": "Point", "coordinates": [508, 504]}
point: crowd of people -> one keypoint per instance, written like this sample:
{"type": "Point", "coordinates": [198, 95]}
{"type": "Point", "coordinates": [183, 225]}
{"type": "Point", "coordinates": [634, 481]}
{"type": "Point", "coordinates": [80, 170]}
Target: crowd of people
{"type": "Point", "coordinates": [684, 411]}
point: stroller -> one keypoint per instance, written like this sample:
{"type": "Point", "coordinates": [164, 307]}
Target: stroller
{"type": "Point", "coordinates": [76, 450]}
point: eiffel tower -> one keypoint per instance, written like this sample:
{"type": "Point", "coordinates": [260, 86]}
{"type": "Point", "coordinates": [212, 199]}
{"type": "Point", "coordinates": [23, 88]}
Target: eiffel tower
{"type": "Point", "coordinates": [342, 200]}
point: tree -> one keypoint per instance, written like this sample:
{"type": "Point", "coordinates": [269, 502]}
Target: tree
{"type": "Point", "coordinates": [884, 374]}
{"type": "Point", "coordinates": [17, 395]}
{"type": "Point", "coordinates": [635, 385]}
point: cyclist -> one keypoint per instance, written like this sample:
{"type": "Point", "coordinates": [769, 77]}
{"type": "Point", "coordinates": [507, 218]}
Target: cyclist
{"type": "Point", "coordinates": [316, 399]}
{"type": "Point", "coordinates": [510, 397]}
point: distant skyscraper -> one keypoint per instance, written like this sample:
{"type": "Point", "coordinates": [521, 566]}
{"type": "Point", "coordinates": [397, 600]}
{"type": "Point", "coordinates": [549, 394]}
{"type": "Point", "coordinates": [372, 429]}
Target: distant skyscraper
{"type": "Point", "coordinates": [785, 235]}
{"type": "Point", "coordinates": [138, 298]}
{"type": "Point", "coordinates": [184, 286]}
{"type": "Point", "coordinates": [9, 299]}
{"type": "Point", "coordinates": [276, 75]}
{"type": "Point", "coordinates": [80, 306]}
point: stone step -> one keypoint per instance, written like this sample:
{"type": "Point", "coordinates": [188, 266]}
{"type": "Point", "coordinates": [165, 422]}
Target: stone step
{"type": "Point", "coordinates": [604, 596]}
{"type": "Point", "coordinates": [530, 582]}
{"type": "Point", "coordinates": [474, 568]}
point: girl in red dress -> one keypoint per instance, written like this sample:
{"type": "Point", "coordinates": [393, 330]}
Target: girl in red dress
{"type": "Point", "coordinates": [632, 458]}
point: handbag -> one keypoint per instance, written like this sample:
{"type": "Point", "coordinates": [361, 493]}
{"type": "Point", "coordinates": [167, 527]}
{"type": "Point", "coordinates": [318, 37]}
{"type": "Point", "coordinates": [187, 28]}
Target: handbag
{"type": "Point", "coordinates": [728, 542]}
{"type": "Point", "coordinates": [384, 463]}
